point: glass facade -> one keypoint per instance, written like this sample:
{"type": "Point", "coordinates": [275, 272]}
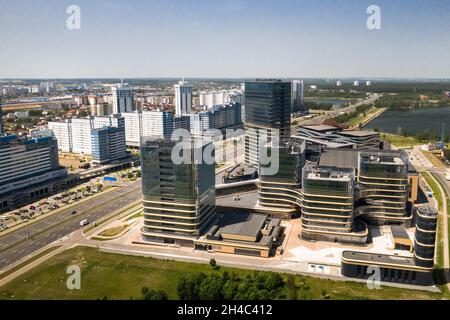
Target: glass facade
{"type": "Point", "coordinates": [267, 111]}
{"type": "Point", "coordinates": [280, 179]}
{"type": "Point", "coordinates": [383, 182]}
{"type": "Point", "coordinates": [327, 205]}
{"type": "Point", "coordinates": [179, 199]}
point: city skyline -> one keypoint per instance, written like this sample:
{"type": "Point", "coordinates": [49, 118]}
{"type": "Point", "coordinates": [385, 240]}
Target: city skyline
{"type": "Point", "coordinates": [202, 39]}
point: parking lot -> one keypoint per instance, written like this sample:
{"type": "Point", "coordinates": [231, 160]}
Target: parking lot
{"type": "Point", "coordinates": [47, 205]}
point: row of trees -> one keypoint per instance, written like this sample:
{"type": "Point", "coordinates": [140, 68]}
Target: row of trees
{"type": "Point", "coordinates": [258, 286]}
{"type": "Point", "coordinates": [348, 116]}
{"type": "Point", "coordinates": [407, 101]}
{"type": "Point", "coordinates": [311, 105]}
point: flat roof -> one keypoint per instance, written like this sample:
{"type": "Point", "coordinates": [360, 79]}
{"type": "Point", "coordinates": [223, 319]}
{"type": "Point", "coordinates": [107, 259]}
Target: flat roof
{"type": "Point", "coordinates": [341, 158]}
{"type": "Point", "coordinates": [321, 127]}
{"type": "Point", "coordinates": [399, 232]}
{"type": "Point", "coordinates": [327, 143]}
{"type": "Point", "coordinates": [359, 133]}
{"type": "Point", "coordinates": [376, 258]}
{"type": "Point", "coordinates": [245, 224]}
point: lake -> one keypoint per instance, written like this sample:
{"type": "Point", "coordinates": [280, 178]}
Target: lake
{"type": "Point", "coordinates": [412, 122]}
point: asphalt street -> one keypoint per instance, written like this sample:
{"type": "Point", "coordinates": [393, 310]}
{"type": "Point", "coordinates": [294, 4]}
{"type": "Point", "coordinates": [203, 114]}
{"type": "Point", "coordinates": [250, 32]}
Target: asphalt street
{"type": "Point", "coordinates": [15, 245]}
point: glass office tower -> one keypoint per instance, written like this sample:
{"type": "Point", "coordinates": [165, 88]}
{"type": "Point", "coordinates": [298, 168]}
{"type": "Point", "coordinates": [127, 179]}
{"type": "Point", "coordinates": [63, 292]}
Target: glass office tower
{"type": "Point", "coordinates": [178, 199]}
{"type": "Point", "coordinates": [327, 210]}
{"type": "Point", "coordinates": [280, 191]}
{"type": "Point", "coordinates": [267, 111]}
{"type": "Point", "coordinates": [383, 187]}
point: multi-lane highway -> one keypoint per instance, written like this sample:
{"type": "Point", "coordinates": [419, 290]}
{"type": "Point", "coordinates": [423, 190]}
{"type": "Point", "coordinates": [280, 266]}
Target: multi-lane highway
{"type": "Point", "coordinates": [28, 239]}
{"type": "Point", "coordinates": [334, 113]}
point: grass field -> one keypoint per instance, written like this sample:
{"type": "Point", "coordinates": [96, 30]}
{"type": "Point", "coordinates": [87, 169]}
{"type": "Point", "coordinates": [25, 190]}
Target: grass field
{"type": "Point", "coordinates": [122, 277]}
{"type": "Point", "coordinates": [400, 141]}
{"type": "Point", "coordinates": [363, 117]}
{"type": "Point", "coordinates": [440, 244]}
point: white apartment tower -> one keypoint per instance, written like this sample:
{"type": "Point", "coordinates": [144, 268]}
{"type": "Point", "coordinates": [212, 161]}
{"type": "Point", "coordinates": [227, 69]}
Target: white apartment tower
{"type": "Point", "coordinates": [183, 99]}
{"type": "Point", "coordinates": [123, 99]}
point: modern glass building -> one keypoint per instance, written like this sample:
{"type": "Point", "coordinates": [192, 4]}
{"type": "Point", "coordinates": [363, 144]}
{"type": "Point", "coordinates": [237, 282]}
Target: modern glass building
{"type": "Point", "coordinates": [425, 236]}
{"type": "Point", "coordinates": [327, 210]}
{"type": "Point", "coordinates": [281, 190]}
{"type": "Point", "coordinates": [178, 199]}
{"type": "Point", "coordinates": [383, 187]}
{"type": "Point", "coordinates": [267, 111]}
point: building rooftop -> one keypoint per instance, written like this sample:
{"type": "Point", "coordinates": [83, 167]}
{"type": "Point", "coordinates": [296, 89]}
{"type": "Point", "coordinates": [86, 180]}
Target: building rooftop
{"type": "Point", "coordinates": [399, 232]}
{"type": "Point", "coordinates": [321, 128]}
{"type": "Point", "coordinates": [329, 173]}
{"type": "Point", "coordinates": [376, 258]}
{"type": "Point", "coordinates": [359, 133]}
{"type": "Point", "coordinates": [342, 158]}
{"type": "Point", "coordinates": [396, 157]}
{"type": "Point", "coordinates": [326, 143]}
{"type": "Point", "coordinates": [245, 224]}
{"type": "Point", "coordinates": [247, 228]}
{"type": "Point", "coordinates": [427, 211]}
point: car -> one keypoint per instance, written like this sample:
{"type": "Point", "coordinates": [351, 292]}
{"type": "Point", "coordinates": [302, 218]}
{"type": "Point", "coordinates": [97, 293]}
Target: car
{"type": "Point", "coordinates": [74, 212]}
{"type": "Point", "coordinates": [84, 222]}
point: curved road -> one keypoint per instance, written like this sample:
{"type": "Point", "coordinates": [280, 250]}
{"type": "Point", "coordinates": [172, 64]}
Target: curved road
{"type": "Point", "coordinates": [15, 245]}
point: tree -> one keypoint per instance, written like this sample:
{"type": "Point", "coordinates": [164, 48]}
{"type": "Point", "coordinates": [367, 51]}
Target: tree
{"type": "Point", "coordinates": [211, 288]}
{"type": "Point", "coordinates": [155, 295]}
{"type": "Point", "coordinates": [292, 287]}
{"type": "Point", "coordinates": [273, 281]}
{"type": "Point", "coordinates": [229, 289]}
{"type": "Point", "coordinates": [212, 262]}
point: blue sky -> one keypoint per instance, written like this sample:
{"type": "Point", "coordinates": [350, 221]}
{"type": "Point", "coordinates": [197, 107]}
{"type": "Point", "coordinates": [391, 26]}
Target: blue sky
{"type": "Point", "coordinates": [225, 38]}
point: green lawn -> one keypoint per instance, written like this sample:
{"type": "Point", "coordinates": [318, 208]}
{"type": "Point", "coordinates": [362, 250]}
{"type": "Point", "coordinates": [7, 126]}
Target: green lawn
{"type": "Point", "coordinates": [440, 244]}
{"type": "Point", "coordinates": [122, 277]}
{"type": "Point", "coordinates": [400, 141]}
{"type": "Point", "coordinates": [434, 187]}
{"type": "Point", "coordinates": [362, 117]}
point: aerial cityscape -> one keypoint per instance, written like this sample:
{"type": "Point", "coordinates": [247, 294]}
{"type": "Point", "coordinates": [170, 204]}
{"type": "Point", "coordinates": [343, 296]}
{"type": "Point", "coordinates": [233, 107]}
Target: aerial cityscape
{"type": "Point", "coordinates": [234, 178]}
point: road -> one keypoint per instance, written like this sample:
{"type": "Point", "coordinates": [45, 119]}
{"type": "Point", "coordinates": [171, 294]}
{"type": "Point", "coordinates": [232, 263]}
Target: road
{"type": "Point", "coordinates": [443, 183]}
{"type": "Point", "coordinates": [335, 113]}
{"type": "Point", "coordinates": [15, 245]}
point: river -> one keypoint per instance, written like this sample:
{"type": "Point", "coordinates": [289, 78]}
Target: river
{"type": "Point", "coordinates": [412, 122]}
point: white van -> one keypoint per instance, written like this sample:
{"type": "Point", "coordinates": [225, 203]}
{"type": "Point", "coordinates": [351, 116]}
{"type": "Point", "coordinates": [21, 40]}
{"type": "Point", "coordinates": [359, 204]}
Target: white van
{"type": "Point", "coordinates": [84, 222]}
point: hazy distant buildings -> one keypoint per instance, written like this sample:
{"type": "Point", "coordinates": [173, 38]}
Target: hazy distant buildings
{"type": "Point", "coordinates": [213, 98]}
{"type": "Point", "coordinates": [1, 119]}
{"type": "Point", "coordinates": [218, 117]}
{"type": "Point", "coordinates": [183, 99]}
{"type": "Point", "coordinates": [267, 112]}
{"type": "Point", "coordinates": [123, 99]}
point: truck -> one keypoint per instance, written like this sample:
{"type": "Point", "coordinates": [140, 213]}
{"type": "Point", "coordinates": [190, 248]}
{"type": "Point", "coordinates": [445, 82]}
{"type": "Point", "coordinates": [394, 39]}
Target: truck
{"type": "Point", "coordinates": [84, 222]}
